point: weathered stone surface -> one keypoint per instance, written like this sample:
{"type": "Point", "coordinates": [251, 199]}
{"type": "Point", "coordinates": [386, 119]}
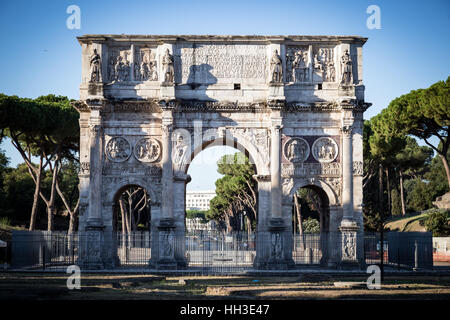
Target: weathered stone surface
{"type": "Point", "coordinates": [293, 104]}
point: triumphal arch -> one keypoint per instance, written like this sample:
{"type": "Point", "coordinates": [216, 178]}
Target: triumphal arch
{"type": "Point", "coordinates": [293, 104]}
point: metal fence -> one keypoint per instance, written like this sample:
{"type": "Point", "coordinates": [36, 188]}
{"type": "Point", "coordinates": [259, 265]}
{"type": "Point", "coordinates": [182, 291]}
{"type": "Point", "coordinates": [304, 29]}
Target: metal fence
{"type": "Point", "coordinates": [215, 252]}
{"type": "Point", "coordinates": [210, 252]}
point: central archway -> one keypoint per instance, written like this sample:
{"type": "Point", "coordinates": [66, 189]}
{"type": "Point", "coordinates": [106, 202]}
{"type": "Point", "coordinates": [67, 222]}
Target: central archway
{"type": "Point", "coordinates": [233, 243]}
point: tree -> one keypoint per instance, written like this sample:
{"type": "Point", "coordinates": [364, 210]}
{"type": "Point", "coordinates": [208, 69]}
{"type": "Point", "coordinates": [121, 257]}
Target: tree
{"type": "Point", "coordinates": [412, 160]}
{"type": "Point", "coordinates": [17, 193]}
{"type": "Point", "coordinates": [437, 222]}
{"type": "Point", "coordinates": [425, 114]}
{"type": "Point", "coordinates": [236, 197]}
{"type": "Point", "coordinates": [47, 128]}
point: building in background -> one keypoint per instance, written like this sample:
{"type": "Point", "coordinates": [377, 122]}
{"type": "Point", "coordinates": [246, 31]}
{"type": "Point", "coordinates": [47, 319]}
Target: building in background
{"type": "Point", "coordinates": [199, 200]}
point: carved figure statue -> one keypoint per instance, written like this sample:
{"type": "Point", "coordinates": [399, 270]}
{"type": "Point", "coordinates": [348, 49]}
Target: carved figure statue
{"type": "Point", "coordinates": [276, 68]}
{"type": "Point", "coordinates": [95, 63]}
{"type": "Point", "coordinates": [167, 62]}
{"type": "Point", "coordinates": [346, 67]}
{"type": "Point", "coordinates": [277, 246]}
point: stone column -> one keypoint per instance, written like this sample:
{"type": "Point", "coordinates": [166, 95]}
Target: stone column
{"type": "Point", "coordinates": [275, 171]}
{"type": "Point", "coordinates": [91, 238]}
{"type": "Point", "coordinates": [95, 178]}
{"type": "Point", "coordinates": [348, 226]}
{"type": "Point", "coordinates": [347, 175]}
{"type": "Point", "coordinates": [167, 168]}
{"type": "Point", "coordinates": [167, 238]}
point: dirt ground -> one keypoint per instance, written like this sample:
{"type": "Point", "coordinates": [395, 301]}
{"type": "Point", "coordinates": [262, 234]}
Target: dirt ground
{"type": "Point", "coordinates": [46, 286]}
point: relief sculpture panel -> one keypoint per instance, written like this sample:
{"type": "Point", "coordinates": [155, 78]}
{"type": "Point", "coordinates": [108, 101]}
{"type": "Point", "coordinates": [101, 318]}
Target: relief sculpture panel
{"type": "Point", "coordinates": [205, 64]}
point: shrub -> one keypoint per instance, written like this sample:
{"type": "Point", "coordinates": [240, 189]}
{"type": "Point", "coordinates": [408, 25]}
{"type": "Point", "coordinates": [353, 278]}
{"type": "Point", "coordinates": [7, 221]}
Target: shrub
{"type": "Point", "coordinates": [437, 223]}
{"type": "Point", "coordinates": [5, 221]}
{"type": "Point", "coordinates": [311, 225]}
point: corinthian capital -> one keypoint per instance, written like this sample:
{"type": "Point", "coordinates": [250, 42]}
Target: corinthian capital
{"type": "Point", "coordinates": [346, 131]}
{"type": "Point", "coordinates": [94, 129]}
{"type": "Point", "coordinates": [167, 129]}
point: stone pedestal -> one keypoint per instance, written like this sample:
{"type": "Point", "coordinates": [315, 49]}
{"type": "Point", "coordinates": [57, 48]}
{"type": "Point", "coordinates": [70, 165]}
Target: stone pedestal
{"type": "Point", "coordinates": [167, 245]}
{"type": "Point", "coordinates": [167, 91]}
{"type": "Point", "coordinates": [276, 92]}
{"type": "Point", "coordinates": [278, 258]}
{"type": "Point", "coordinates": [349, 258]}
{"type": "Point", "coordinates": [95, 89]}
{"type": "Point", "coordinates": [91, 245]}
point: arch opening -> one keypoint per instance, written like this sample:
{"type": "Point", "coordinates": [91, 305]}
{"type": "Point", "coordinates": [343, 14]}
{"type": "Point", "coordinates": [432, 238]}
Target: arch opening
{"type": "Point", "coordinates": [132, 209]}
{"type": "Point", "coordinates": [310, 225]}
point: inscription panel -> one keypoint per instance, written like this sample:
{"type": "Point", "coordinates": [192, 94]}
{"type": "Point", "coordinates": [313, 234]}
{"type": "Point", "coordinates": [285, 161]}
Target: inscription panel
{"type": "Point", "coordinates": [213, 63]}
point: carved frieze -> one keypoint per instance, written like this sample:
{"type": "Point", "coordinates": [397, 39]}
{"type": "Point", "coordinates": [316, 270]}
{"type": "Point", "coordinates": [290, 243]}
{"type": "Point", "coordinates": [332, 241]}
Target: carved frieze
{"type": "Point", "coordinates": [258, 137]}
{"type": "Point", "coordinates": [296, 150]}
{"type": "Point", "coordinates": [357, 168]}
{"type": "Point", "coordinates": [118, 149]}
{"type": "Point", "coordinates": [166, 241]}
{"type": "Point", "coordinates": [119, 64]}
{"type": "Point", "coordinates": [325, 149]}
{"type": "Point", "coordinates": [310, 169]}
{"type": "Point", "coordinates": [84, 167]}
{"type": "Point", "coordinates": [297, 64]}
{"type": "Point", "coordinates": [147, 149]}
{"type": "Point", "coordinates": [324, 65]}
{"type": "Point", "coordinates": [336, 185]}
{"type": "Point", "coordinates": [145, 65]}
{"type": "Point", "coordinates": [287, 185]}
{"type": "Point", "coordinates": [113, 169]}
{"type": "Point", "coordinates": [276, 242]}
{"type": "Point", "coordinates": [179, 149]}
{"type": "Point", "coordinates": [348, 245]}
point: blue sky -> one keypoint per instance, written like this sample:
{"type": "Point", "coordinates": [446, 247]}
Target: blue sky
{"type": "Point", "coordinates": [40, 55]}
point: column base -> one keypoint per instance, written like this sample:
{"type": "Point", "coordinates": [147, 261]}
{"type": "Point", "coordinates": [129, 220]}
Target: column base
{"type": "Point", "coordinates": [349, 242]}
{"type": "Point", "coordinates": [91, 245]}
{"type": "Point", "coordinates": [276, 92]}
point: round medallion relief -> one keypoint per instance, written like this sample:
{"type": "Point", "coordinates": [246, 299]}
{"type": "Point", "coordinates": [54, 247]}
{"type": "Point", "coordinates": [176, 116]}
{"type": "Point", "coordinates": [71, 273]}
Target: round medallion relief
{"type": "Point", "coordinates": [296, 150]}
{"type": "Point", "coordinates": [118, 149]}
{"type": "Point", "coordinates": [147, 150]}
{"type": "Point", "coordinates": [325, 149]}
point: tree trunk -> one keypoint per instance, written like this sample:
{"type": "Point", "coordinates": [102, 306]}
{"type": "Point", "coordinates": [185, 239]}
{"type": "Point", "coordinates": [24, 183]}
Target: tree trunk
{"type": "Point", "coordinates": [37, 191]}
{"type": "Point", "coordinates": [388, 187]}
{"type": "Point", "coordinates": [380, 193]}
{"type": "Point", "coordinates": [402, 195]}
{"type": "Point", "coordinates": [299, 219]}
{"type": "Point", "coordinates": [446, 167]}
{"type": "Point", "coordinates": [51, 201]}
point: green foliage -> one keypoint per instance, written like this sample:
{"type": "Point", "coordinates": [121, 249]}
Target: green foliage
{"type": "Point", "coordinates": [419, 195]}
{"type": "Point", "coordinates": [396, 206]}
{"type": "Point", "coordinates": [191, 214]}
{"type": "Point", "coordinates": [436, 176]}
{"type": "Point", "coordinates": [311, 225]}
{"type": "Point", "coordinates": [17, 189]}
{"type": "Point", "coordinates": [234, 192]}
{"type": "Point", "coordinates": [438, 223]}
{"type": "Point", "coordinates": [5, 222]}
{"type": "Point", "coordinates": [424, 113]}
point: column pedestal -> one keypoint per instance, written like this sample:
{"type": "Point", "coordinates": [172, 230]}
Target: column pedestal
{"type": "Point", "coordinates": [167, 244]}
{"type": "Point", "coordinates": [349, 241]}
{"type": "Point", "coordinates": [91, 245]}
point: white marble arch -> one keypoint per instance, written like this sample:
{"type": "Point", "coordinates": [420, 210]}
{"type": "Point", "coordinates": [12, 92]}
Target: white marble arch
{"type": "Point", "coordinates": [300, 183]}
{"type": "Point", "coordinates": [134, 181]}
{"type": "Point", "coordinates": [236, 141]}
